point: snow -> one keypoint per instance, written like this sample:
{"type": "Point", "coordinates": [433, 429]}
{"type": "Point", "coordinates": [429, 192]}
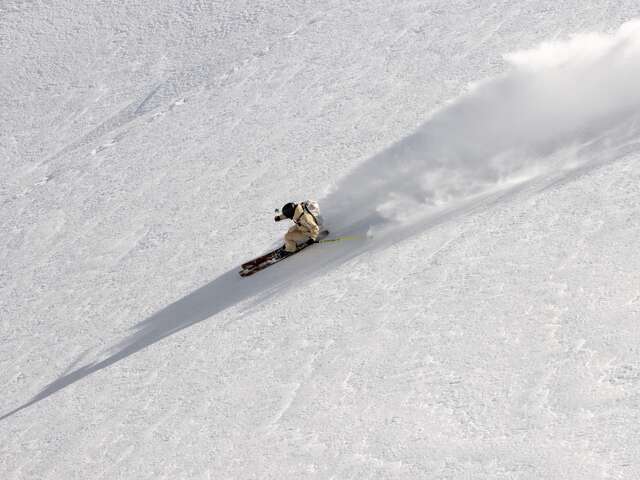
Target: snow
{"type": "Point", "coordinates": [480, 323]}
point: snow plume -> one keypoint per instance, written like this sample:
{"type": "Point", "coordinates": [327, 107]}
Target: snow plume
{"type": "Point", "coordinates": [540, 117]}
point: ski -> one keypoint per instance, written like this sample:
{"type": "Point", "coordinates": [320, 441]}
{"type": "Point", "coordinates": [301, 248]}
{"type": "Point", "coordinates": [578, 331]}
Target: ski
{"type": "Point", "coordinates": [267, 260]}
{"type": "Point", "coordinates": [275, 256]}
{"type": "Point", "coordinates": [258, 260]}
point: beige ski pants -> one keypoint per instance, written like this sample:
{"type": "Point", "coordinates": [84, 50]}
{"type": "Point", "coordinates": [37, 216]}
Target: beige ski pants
{"type": "Point", "coordinates": [293, 237]}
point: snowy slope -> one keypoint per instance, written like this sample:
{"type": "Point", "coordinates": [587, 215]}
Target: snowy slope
{"type": "Point", "coordinates": [482, 325]}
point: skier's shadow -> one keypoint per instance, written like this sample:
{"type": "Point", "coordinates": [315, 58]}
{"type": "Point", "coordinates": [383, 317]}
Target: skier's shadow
{"type": "Point", "coordinates": [226, 291]}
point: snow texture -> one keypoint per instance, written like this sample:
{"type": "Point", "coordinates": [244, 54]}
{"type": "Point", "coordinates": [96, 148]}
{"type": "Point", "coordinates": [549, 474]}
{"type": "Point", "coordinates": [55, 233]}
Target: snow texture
{"type": "Point", "coordinates": [480, 320]}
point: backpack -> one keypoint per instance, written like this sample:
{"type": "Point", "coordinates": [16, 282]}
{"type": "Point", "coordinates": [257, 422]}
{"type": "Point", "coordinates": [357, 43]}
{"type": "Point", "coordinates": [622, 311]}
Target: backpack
{"type": "Point", "coordinates": [313, 209]}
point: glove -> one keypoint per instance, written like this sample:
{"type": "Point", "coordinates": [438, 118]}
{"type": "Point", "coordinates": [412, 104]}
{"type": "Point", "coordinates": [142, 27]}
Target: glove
{"type": "Point", "coordinates": [277, 218]}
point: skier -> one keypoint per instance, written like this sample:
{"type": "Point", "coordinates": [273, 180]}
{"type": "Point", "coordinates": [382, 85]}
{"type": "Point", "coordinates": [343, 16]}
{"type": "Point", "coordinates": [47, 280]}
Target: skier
{"type": "Point", "coordinates": [306, 231]}
{"type": "Point", "coordinates": [307, 224]}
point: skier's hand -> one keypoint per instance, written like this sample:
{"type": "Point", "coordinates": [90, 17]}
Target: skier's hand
{"type": "Point", "coordinates": [277, 218]}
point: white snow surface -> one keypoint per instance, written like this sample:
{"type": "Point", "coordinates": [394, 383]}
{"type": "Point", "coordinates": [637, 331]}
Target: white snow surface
{"type": "Point", "coordinates": [481, 320]}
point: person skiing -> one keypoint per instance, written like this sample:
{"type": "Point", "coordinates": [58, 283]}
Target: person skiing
{"type": "Point", "coordinates": [308, 229]}
{"type": "Point", "coordinates": [307, 225]}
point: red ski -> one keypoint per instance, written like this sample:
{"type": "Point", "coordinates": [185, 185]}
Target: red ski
{"type": "Point", "coordinates": [277, 255]}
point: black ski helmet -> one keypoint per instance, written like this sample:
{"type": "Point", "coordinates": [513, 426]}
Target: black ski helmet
{"type": "Point", "coordinates": [289, 209]}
